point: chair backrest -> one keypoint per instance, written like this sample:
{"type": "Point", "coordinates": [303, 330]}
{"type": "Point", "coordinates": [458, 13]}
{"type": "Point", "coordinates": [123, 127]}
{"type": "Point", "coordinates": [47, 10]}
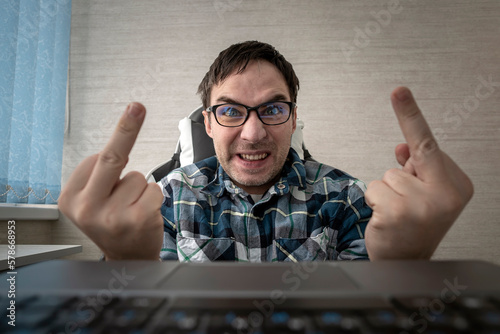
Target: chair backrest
{"type": "Point", "coordinates": [194, 145]}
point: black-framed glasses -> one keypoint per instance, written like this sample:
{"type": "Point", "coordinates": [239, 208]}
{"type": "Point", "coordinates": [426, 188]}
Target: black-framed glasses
{"type": "Point", "coordinates": [235, 114]}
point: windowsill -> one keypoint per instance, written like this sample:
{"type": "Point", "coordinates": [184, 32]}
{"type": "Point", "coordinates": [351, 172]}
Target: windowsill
{"type": "Point", "coordinates": [12, 211]}
{"type": "Point", "coordinates": [28, 254]}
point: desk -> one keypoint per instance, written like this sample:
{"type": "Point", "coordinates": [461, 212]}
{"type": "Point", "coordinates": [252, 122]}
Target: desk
{"type": "Point", "coordinates": [28, 254]}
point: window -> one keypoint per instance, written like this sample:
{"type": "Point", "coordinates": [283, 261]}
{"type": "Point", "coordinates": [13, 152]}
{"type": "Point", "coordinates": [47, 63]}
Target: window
{"type": "Point", "coordinates": [34, 44]}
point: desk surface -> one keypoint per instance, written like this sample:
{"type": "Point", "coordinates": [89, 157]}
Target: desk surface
{"type": "Point", "coordinates": [28, 254]}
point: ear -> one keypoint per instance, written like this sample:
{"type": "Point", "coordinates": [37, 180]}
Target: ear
{"type": "Point", "coordinates": [208, 124]}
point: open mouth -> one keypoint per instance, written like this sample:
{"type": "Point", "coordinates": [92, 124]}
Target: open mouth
{"type": "Point", "coordinates": [253, 157]}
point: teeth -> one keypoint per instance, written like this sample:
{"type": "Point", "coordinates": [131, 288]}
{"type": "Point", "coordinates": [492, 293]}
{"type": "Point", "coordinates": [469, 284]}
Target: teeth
{"type": "Point", "coordinates": [254, 157]}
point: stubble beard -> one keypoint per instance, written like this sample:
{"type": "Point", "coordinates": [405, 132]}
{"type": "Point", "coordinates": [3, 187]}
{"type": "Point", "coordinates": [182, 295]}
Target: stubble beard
{"type": "Point", "coordinates": [251, 178]}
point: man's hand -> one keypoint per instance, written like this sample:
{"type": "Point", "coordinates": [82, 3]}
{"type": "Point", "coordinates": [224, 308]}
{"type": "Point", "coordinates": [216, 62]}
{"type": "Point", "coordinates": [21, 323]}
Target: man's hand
{"type": "Point", "coordinates": [413, 208]}
{"type": "Point", "coordinates": [122, 216]}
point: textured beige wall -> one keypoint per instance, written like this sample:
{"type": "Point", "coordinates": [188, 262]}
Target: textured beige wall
{"type": "Point", "coordinates": [349, 55]}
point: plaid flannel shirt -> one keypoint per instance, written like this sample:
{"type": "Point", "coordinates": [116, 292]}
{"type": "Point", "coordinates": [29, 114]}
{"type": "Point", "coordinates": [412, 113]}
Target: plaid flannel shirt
{"type": "Point", "coordinates": [314, 212]}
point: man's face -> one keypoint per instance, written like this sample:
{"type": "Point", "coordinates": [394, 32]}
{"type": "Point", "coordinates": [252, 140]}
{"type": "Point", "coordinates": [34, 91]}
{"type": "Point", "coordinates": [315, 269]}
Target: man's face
{"type": "Point", "coordinates": [252, 154]}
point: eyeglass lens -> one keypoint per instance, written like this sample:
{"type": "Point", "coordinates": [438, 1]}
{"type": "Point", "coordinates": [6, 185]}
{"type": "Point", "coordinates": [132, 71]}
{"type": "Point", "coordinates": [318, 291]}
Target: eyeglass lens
{"type": "Point", "coordinates": [270, 113]}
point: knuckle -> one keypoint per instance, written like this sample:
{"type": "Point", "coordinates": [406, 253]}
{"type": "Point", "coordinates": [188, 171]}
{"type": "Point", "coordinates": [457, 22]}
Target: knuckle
{"type": "Point", "coordinates": [116, 223]}
{"type": "Point", "coordinates": [126, 128]}
{"type": "Point", "coordinates": [372, 186]}
{"type": "Point", "coordinates": [395, 177]}
{"type": "Point", "coordinates": [112, 158]}
{"type": "Point", "coordinates": [412, 112]}
{"type": "Point", "coordinates": [429, 144]}
{"type": "Point", "coordinates": [136, 177]}
{"type": "Point", "coordinates": [427, 147]}
{"type": "Point", "coordinates": [453, 202]}
{"type": "Point", "coordinates": [390, 174]}
{"type": "Point", "coordinates": [84, 215]}
{"type": "Point", "coordinates": [375, 222]}
{"type": "Point", "coordinates": [157, 192]}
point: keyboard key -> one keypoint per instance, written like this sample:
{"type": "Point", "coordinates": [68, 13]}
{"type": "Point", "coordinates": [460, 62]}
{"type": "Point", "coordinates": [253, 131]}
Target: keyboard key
{"type": "Point", "coordinates": [338, 321]}
{"type": "Point", "coordinates": [85, 314]}
{"type": "Point", "coordinates": [285, 322]}
{"type": "Point", "coordinates": [386, 320]}
{"type": "Point", "coordinates": [434, 314]}
{"type": "Point", "coordinates": [130, 313]}
{"type": "Point", "coordinates": [126, 318]}
{"type": "Point", "coordinates": [178, 321]}
{"type": "Point", "coordinates": [231, 322]}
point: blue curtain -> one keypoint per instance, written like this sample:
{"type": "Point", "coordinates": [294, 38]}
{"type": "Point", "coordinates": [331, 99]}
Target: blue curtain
{"type": "Point", "coordinates": [34, 51]}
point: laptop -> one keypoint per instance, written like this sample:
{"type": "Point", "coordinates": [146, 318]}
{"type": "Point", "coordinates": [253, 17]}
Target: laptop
{"type": "Point", "coordinates": [62, 296]}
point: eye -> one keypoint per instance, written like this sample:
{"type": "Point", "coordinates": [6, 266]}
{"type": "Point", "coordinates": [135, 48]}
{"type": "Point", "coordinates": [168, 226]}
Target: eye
{"type": "Point", "coordinates": [272, 110]}
{"type": "Point", "coordinates": [229, 111]}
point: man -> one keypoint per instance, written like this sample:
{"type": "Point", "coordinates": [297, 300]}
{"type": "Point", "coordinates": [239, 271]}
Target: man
{"type": "Point", "coordinates": [257, 201]}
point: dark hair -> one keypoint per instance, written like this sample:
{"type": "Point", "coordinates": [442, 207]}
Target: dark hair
{"type": "Point", "coordinates": [237, 57]}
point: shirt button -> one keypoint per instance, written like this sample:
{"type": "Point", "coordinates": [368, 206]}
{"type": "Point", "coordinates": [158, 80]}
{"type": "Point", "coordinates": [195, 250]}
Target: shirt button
{"type": "Point", "coordinates": [281, 186]}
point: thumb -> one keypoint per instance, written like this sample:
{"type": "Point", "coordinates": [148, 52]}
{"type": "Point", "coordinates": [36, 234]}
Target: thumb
{"type": "Point", "coordinates": [402, 152]}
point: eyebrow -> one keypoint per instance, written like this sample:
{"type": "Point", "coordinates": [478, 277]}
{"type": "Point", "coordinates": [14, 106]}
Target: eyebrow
{"type": "Point", "coordinates": [276, 97]}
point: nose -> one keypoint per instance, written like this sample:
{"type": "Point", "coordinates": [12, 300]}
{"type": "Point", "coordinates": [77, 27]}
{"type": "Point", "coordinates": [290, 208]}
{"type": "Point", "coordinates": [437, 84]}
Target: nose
{"type": "Point", "coordinates": [253, 130]}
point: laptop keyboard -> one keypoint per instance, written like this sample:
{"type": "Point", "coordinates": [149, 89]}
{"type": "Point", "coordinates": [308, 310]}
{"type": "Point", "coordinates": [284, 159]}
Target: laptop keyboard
{"type": "Point", "coordinates": [104, 313]}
